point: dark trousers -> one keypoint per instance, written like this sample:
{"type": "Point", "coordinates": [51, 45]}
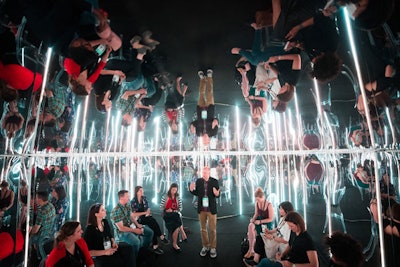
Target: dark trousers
{"type": "Point", "coordinates": [153, 224]}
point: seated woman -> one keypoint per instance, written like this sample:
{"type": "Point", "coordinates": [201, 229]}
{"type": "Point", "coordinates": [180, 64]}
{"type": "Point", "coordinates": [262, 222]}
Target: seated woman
{"type": "Point", "coordinates": [70, 248]}
{"type": "Point", "coordinates": [361, 176]}
{"type": "Point", "coordinates": [174, 112]}
{"type": "Point", "coordinates": [100, 241]}
{"type": "Point", "coordinates": [301, 249]}
{"type": "Point", "coordinates": [272, 241]}
{"type": "Point", "coordinates": [326, 63]}
{"type": "Point", "coordinates": [171, 206]}
{"type": "Point", "coordinates": [144, 107]}
{"type": "Point", "coordinates": [82, 74]}
{"type": "Point", "coordinates": [6, 200]}
{"type": "Point", "coordinates": [263, 216]}
{"type": "Point", "coordinates": [255, 95]}
{"type": "Point", "coordinates": [140, 207]}
{"type": "Point", "coordinates": [12, 121]}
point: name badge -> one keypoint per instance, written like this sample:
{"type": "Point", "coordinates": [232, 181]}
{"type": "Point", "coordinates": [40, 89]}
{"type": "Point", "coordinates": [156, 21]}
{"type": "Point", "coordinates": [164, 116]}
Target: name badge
{"type": "Point", "coordinates": [107, 244]}
{"type": "Point", "coordinates": [204, 114]}
{"type": "Point", "coordinates": [205, 202]}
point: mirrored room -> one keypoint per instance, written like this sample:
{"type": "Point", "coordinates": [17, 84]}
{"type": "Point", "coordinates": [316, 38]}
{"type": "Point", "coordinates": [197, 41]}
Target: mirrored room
{"type": "Point", "coordinates": [141, 133]}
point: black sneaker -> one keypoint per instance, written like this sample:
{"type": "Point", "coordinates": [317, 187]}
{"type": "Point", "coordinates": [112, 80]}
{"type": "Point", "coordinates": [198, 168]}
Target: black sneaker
{"type": "Point", "coordinates": [165, 241]}
{"type": "Point", "coordinates": [158, 251]}
{"type": "Point", "coordinates": [249, 262]}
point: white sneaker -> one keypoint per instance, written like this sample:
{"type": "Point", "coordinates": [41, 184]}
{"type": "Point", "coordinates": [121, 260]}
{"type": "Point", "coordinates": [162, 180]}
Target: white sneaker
{"type": "Point", "coordinates": [204, 251]}
{"type": "Point", "coordinates": [201, 74]}
{"type": "Point", "coordinates": [209, 73]}
{"type": "Point", "coordinates": [213, 253]}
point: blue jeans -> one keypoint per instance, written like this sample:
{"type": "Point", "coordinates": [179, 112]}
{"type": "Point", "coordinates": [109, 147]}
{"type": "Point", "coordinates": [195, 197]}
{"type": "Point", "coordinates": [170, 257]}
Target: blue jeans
{"type": "Point", "coordinates": [137, 241]}
{"type": "Point", "coordinates": [256, 55]}
{"type": "Point", "coordinates": [140, 82]}
{"type": "Point", "coordinates": [268, 263]}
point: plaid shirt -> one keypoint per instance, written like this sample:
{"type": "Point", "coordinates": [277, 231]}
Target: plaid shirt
{"type": "Point", "coordinates": [45, 218]}
{"type": "Point", "coordinates": [121, 213]}
{"type": "Point", "coordinates": [56, 104]}
{"type": "Point", "coordinates": [126, 105]}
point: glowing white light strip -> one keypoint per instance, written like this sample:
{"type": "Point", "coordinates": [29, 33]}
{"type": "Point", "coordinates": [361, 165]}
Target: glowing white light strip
{"type": "Point", "coordinates": [157, 140]}
{"type": "Point", "coordinates": [31, 161]}
{"type": "Point", "coordinates": [389, 118]}
{"type": "Point", "coordinates": [214, 153]}
{"type": "Point", "coordinates": [180, 160]}
{"type": "Point", "coordinates": [238, 166]}
{"type": "Point", "coordinates": [72, 158]}
{"type": "Point", "coordinates": [368, 117]}
{"type": "Point", "coordinates": [88, 165]}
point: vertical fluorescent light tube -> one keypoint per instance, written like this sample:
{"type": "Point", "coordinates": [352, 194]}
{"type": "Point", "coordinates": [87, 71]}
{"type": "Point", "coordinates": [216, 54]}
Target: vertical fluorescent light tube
{"type": "Point", "coordinates": [88, 165]}
{"type": "Point", "coordinates": [81, 158]}
{"type": "Point", "coordinates": [180, 159]}
{"type": "Point", "coordinates": [372, 137]}
{"type": "Point", "coordinates": [389, 118]}
{"type": "Point", "coordinates": [157, 137]}
{"type": "Point", "coordinates": [238, 160]}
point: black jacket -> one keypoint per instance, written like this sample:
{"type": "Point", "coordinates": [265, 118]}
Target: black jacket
{"type": "Point", "coordinates": [199, 191]}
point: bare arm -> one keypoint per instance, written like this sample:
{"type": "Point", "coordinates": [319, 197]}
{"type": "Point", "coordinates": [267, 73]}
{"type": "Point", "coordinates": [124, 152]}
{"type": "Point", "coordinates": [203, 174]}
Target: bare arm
{"type": "Point", "coordinates": [264, 103]}
{"type": "Point", "coordinates": [12, 200]}
{"type": "Point", "coordinates": [245, 82]}
{"type": "Point", "coordinates": [296, 65]}
{"type": "Point", "coordinates": [293, 32]}
{"type": "Point", "coordinates": [122, 228]}
{"type": "Point", "coordinates": [35, 229]}
{"type": "Point", "coordinates": [129, 93]}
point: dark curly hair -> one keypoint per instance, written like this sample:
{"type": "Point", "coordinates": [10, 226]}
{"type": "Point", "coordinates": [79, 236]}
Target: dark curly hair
{"type": "Point", "coordinates": [327, 67]}
{"type": "Point", "coordinates": [345, 248]}
{"type": "Point", "coordinates": [76, 87]}
{"type": "Point", "coordinates": [7, 94]}
{"type": "Point", "coordinates": [288, 95]}
{"type": "Point", "coordinates": [280, 107]}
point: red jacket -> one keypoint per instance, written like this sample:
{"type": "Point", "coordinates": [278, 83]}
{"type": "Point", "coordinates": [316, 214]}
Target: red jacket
{"type": "Point", "coordinates": [19, 77]}
{"type": "Point", "coordinates": [60, 252]}
{"type": "Point", "coordinates": [73, 69]}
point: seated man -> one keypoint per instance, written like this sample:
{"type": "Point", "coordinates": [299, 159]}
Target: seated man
{"type": "Point", "coordinates": [127, 228]}
{"type": "Point", "coordinates": [44, 223]}
{"type": "Point", "coordinates": [206, 124]}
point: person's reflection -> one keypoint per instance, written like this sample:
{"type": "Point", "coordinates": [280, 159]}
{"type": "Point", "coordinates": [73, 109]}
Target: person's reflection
{"type": "Point", "coordinates": [13, 120]}
{"type": "Point", "coordinates": [14, 78]}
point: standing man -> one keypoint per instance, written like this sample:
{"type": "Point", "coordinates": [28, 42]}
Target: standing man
{"type": "Point", "coordinates": [206, 124]}
{"type": "Point", "coordinates": [128, 229]}
{"type": "Point", "coordinates": [207, 190]}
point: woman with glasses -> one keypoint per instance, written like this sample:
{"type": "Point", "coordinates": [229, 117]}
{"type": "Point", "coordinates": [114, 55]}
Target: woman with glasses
{"type": "Point", "coordinates": [101, 243]}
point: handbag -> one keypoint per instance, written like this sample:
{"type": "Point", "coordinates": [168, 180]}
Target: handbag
{"type": "Point", "coordinates": [271, 247]}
